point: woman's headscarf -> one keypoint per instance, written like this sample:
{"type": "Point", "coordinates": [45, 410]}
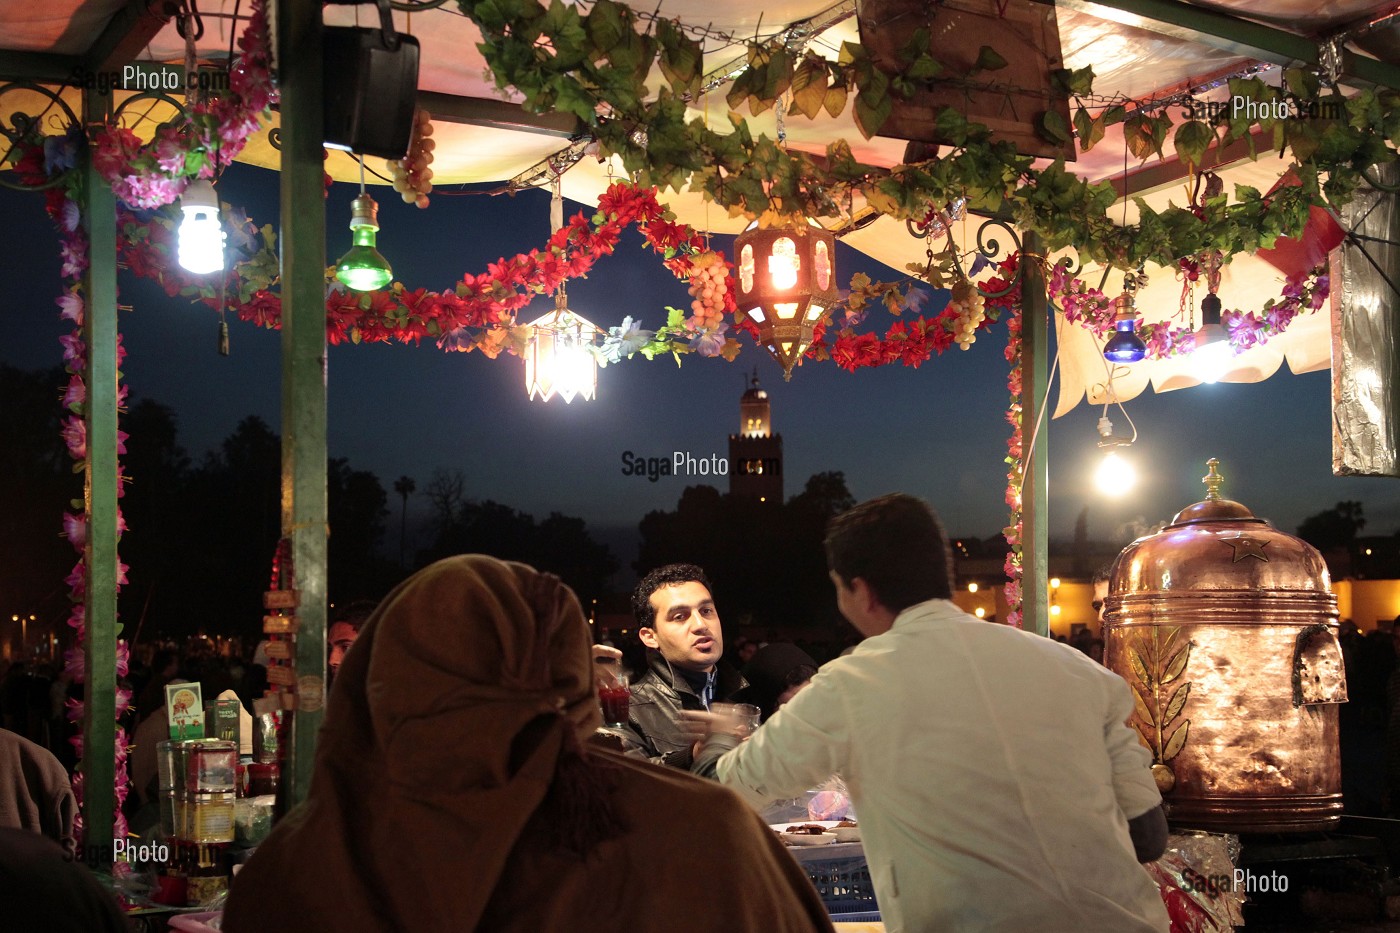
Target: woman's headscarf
{"type": "Point", "coordinates": [466, 690]}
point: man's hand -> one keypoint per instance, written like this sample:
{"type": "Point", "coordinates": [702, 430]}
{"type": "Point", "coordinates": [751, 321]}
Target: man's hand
{"type": "Point", "coordinates": [698, 725]}
{"type": "Point", "coordinates": [607, 663]}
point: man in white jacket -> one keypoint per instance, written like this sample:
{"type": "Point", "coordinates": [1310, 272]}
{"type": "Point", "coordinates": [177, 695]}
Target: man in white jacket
{"type": "Point", "coordinates": [997, 783]}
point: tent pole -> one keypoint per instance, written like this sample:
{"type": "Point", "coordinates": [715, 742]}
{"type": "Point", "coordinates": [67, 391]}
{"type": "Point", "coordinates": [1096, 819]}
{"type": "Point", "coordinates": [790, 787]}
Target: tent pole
{"type": "Point", "coordinates": [100, 493]}
{"type": "Point", "coordinates": [1035, 505]}
{"type": "Point", "coordinates": [304, 363]}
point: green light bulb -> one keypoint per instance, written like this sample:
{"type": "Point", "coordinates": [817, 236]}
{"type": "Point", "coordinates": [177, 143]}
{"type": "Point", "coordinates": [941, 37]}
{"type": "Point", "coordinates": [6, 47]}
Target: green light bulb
{"type": "Point", "coordinates": [363, 268]}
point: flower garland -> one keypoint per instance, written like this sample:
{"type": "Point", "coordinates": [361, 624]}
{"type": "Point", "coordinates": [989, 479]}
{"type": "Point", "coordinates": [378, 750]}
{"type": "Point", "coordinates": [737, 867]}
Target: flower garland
{"type": "Point", "coordinates": [66, 214]}
{"type": "Point", "coordinates": [1010, 302]}
{"type": "Point", "coordinates": [1094, 311]}
{"type": "Point", "coordinates": [480, 312]}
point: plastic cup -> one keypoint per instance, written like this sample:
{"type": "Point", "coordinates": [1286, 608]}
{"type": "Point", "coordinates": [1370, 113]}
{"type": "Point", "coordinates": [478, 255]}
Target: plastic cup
{"type": "Point", "coordinates": [739, 719]}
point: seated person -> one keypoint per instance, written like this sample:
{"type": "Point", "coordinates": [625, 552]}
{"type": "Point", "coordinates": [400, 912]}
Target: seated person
{"type": "Point", "coordinates": [454, 789]}
{"type": "Point", "coordinates": [341, 634]}
{"type": "Point", "coordinates": [775, 673]}
{"type": "Point", "coordinates": [35, 793]}
{"type": "Point", "coordinates": [44, 888]}
{"type": "Point", "coordinates": [679, 625]}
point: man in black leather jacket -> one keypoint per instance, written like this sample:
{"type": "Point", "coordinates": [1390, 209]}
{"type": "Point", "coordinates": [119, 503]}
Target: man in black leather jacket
{"type": "Point", "coordinates": [678, 623]}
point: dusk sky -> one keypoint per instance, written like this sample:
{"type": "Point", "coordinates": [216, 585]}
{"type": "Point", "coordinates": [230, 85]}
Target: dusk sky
{"type": "Point", "coordinates": [938, 431]}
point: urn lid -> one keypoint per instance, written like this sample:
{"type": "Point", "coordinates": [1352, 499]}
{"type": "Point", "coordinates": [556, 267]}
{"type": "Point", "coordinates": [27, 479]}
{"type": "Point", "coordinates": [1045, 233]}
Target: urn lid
{"type": "Point", "coordinates": [1218, 544]}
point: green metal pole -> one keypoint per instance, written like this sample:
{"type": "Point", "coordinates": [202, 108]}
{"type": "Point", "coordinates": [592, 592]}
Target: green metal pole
{"type": "Point", "coordinates": [304, 362]}
{"type": "Point", "coordinates": [1035, 505]}
{"type": "Point", "coordinates": [100, 496]}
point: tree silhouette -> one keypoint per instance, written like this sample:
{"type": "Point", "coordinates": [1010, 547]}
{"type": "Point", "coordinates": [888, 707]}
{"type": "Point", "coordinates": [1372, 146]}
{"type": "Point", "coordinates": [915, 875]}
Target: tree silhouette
{"type": "Point", "coordinates": [355, 503]}
{"type": "Point", "coordinates": [35, 470]}
{"type": "Point", "coordinates": [767, 563]}
{"type": "Point", "coordinates": [1335, 528]}
{"type": "Point", "coordinates": [404, 486]}
{"type": "Point", "coordinates": [559, 545]}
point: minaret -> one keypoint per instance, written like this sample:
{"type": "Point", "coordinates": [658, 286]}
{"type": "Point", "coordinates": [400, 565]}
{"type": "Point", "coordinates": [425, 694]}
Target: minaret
{"type": "Point", "coordinates": [756, 453]}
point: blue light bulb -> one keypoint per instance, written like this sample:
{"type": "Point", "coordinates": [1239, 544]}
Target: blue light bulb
{"type": "Point", "coordinates": [1125, 346]}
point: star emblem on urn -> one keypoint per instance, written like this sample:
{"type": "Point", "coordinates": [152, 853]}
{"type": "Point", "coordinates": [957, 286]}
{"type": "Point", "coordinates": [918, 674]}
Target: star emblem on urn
{"type": "Point", "coordinates": [1245, 546]}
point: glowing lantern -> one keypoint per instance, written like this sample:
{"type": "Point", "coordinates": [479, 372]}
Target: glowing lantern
{"type": "Point", "coordinates": [557, 355]}
{"type": "Point", "coordinates": [787, 280]}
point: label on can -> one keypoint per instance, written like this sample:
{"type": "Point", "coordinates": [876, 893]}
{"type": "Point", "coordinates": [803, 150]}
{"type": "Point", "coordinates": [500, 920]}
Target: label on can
{"type": "Point", "coordinates": [201, 889]}
{"type": "Point", "coordinates": [212, 819]}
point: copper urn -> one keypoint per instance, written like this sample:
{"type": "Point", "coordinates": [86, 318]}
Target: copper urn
{"type": "Point", "coordinates": [1226, 630]}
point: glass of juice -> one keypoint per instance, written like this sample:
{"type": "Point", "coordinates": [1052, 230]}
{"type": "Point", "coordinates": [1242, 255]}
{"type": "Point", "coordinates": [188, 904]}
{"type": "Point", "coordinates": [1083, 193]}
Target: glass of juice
{"type": "Point", "coordinates": [615, 696]}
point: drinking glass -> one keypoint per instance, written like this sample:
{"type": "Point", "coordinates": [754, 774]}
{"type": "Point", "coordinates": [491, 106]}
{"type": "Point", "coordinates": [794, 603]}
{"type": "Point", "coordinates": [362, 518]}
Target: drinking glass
{"type": "Point", "coordinates": [614, 695]}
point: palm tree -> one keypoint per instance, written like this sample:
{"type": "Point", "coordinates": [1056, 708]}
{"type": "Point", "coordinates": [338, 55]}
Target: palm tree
{"type": "Point", "coordinates": [403, 486]}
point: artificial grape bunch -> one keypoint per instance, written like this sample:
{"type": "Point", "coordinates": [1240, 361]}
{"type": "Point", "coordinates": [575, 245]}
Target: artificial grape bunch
{"type": "Point", "coordinates": [971, 309]}
{"type": "Point", "coordinates": [413, 179]}
{"type": "Point", "coordinates": [707, 289]}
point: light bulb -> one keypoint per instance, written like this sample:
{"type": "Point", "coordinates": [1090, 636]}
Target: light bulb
{"type": "Point", "coordinates": [1213, 354]}
{"type": "Point", "coordinates": [1115, 475]}
{"type": "Point", "coordinates": [1125, 346]}
{"type": "Point", "coordinates": [201, 245]}
{"type": "Point", "coordinates": [363, 268]}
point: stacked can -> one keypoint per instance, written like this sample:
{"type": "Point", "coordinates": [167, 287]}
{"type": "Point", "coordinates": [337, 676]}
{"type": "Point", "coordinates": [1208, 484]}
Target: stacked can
{"type": "Point", "coordinates": [209, 790]}
{"type": "Point", "coordinates": [197, 789]}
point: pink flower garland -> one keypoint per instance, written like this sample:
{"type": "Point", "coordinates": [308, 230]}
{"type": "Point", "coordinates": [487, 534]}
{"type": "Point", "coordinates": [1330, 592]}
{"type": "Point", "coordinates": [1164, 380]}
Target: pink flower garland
{"type": "Point", "coordinates": [1094, 311]}
{"type": "Point", "coordinates": [1015, 463]}
{"type": "Point", "coordinates": [75, 529]}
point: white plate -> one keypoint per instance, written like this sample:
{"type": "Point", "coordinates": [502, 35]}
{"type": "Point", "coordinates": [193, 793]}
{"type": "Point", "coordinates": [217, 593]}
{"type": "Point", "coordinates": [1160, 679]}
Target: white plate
{"type": "Point", "coordinates": [808, 839]}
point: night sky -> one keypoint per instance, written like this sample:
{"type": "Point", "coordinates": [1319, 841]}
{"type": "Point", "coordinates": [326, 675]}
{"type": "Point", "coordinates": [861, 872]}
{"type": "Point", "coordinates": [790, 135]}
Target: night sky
{"type": "Point", "coordinates": [938, 431]}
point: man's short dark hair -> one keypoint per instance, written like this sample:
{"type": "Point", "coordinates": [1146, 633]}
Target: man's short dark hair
{"type": "Point", "coordinates": [356, 614]}
{"type": "Point", "coordinates": [897, 546]}
{"type": "Point", "coordinates": [668, 575]}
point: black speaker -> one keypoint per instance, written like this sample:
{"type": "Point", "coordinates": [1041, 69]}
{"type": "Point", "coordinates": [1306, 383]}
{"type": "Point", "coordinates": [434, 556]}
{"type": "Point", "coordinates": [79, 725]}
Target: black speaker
{"type": "Point", "coordinates": [370, 86]}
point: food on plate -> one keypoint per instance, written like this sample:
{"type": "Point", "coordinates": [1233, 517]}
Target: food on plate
{"type": "Point", "coordinates": [805, 829]}
{"type": "Point", "coordinates": [846, 823]}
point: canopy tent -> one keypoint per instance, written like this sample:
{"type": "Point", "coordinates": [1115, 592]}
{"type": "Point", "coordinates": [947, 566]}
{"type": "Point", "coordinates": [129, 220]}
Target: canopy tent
{"type": "Point", "coordinates": [1139, 49]}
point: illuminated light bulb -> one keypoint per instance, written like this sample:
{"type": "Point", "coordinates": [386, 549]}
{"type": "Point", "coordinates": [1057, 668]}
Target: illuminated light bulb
{"type": "Point", "coordinates": [363, 268]}
{"type": "Point", "coordinates": [1211, 358]}
{"type": "Point", "coordinates": [980, 612]}
{"type": "Point", "coordinates": [783, 264]}
{"type": "Point", "coordinates": [1054, 583]}
{"type": "Point", "coordinates": [972, 587]}
{"type": "Point", "coordinates": [1210, 361]}
{"type": "Point", "coordinates": [201, 246]}
{"type": "Point", "coordinates": [1054, 610]}
{"type": "Point", "coordinates": [1115, 476]}
{"type": "Point", "coordinates": [1125, 346]}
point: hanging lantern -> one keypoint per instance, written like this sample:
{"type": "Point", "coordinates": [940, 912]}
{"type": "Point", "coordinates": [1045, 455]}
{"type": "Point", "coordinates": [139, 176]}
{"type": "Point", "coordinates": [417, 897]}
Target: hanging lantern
{"type": "Point", "coordinates": [557, 355]}
{"type": "Point", "coordinates": [787, 280]}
